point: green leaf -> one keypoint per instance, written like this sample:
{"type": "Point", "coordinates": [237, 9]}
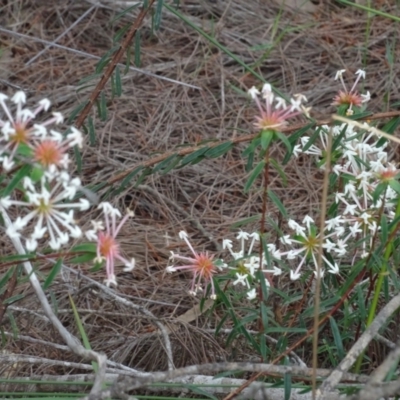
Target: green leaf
{"type": "Point", "coordinates": [219, 150]}
{"type": "Point", "coordinates": [157, 16]}
{"type": "Point", "coordinates": [122, 13]}
{"type": "Point", "coordinates": [6, 277]}
{"type": "Point", "coordinates": [137, 48]}
{"type": "Point", "coordinates": [120, 33]}
{"type": "Point", "coordinates": [102, 106]}
{"type": "Point", "coordinates": [81, 329]}
{"type": "Point", "coordinates": [264, 315]}
{"type": "Point", "coordinates": [245, 221]}
{"type": "Point", "coordinates": [53, 273]}
{"type": "Point", "coordinates": [84, 258]}
{"type": "Point", "coordinates": [77, 110]}
{"type": "Point", "coordinates": [37, 173]}
{"type": "Point", "coordinates": [379, 190]}
{"type": "Point", "coordinates": [105, 59]}
{"type": "Point", "coordinates": [250, 162]}
{"type": "Point", "coordinates": [171, 165]}
{"type": "Point", "coordinates": [19, 175]}
{"type": "Point", "coordinates": [13, 323]}
{"type": "Point", "coordinates": [194, 157]}
{"type": "Point", "coordinates": [263, 347]}
{"type": "Point", "coordinates": [266, 138]}
{"type": "Point", "coordinates": [312, 139]}
{"type": "Point", "coordinates": [146, 172]}
{"type": "Point", "coordinates": [274, 198]}
{"type": "Point", "coordinates": [127, 179]}
{"type": "Point", "coordinates": [92, 134]}
{"type": "Point", "coordinates": [279, 170]}
{"type": "Point", "coordinates": [118, 82]}
{"type": "Point", "coordinates": [14, 298]}
{"type": "Point", "coordinates": [287, 382]}
{"type": "Point", "coordinates": [337, 338]}
{"type": "Point", "coordinates": [197, 390]}
{"type": "Point", "coordinates": [256, 171]}
{"type": "Point", "coordinates": [161, 165]}
{"type": "Point", "coordinates": [84, 247]}
{"type": "Point", "coordinates": [283, 138]}
{"type": "Point", "coordinates": [395, 185]}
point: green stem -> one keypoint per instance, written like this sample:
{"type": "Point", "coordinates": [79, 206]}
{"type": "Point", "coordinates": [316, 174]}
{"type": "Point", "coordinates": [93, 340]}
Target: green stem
{"type": "Point", "coordinates": [379, 283]}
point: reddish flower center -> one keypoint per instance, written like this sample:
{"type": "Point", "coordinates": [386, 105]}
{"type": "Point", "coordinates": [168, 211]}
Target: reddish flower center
{"type": "Point", "coordinates": [205, 266]}
{"type": "Point", "coordinates": [108, 246]}
{"type": "Point", "coordinates": [48, 153]}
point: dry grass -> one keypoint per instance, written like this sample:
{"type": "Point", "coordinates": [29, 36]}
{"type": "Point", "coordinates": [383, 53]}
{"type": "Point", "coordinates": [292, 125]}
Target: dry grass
{"type": "Point", "coordinates": [153, 116]}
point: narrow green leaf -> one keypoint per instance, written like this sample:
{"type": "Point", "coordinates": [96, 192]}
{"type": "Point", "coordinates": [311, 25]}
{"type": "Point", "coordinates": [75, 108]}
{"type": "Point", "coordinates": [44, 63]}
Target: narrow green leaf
{"type": "Point", "coordinates": [88, 78]}
{"type": "Point", "coordinates": [14, 298]}
{"type": "Point", "coordinates": [245, 221]}
{"type": "Point", "coordinates": [92, 134]}
{"type": "Point", "coordinates": [105, 59]}
{"type": "Point", "coordinates": [13, 323]}
{"type": "Point", "coordinates": [279, 170]}
{"type": "Point", "coordinates": [219, 150]}
{"type": "Point", "coordinates": [264, 316]}
{"type": "Point", "coordinates": [312, 139]}
{"type": "Point", "coordinates": [102, 106]}
{"type": "Point", "coordinates": [157, 16]}
{"type": "Point", "coordinates": [6, 277]}
{"type": "Point", "coordinates": [274, 198]}
{"type": "Point", "coordinates": [120, 33]}
{"type": "Point", "coordinates": [263, 347]}
{"type": "Point", "coordinates": [161, 165]}
{"type": "Point", "coordinates": [174, 162]}
{"type": "Point", "coordinates": [283, 138]}
{"type": "Point", "coordinates": [146, 172]}
{"type": "Point", "coordinates": [137, 48]}
{"type": "Point", "coordinates": [197, 390]}
{"type": "Point", "coordinates": [287, 382]}
{"type": "Point", "coordinates": [82, 332]}
{"type": "Point", "coordinates": [53, 273]}
{"type": "Point", "coordinates": [250, 162]}
{"type": "Point", "coordinates": [395, 185]}
{"type": "Point", "coordinates": [84, 258]}
{"type": "Point", "coordinates": [256, 171]}
{"type": "Point", "coordinates": [266, 138]}
{"type": "Point", "coordinates": [18, 176]}
{"type": "Point", "coordinates": [77, 110]}
{"type": "Point", "coordinates": [337, 338]}
{"type": "Point", "coordinates": [127, 179]}
{"type": "Point", "coordinates": [122, 13]}
{"type": "Point", "coordinates": [194, 157]}
{"type": "Point", "coordinates": [84, 247]}
{"type": "Point", "coordinates": [118, 82]}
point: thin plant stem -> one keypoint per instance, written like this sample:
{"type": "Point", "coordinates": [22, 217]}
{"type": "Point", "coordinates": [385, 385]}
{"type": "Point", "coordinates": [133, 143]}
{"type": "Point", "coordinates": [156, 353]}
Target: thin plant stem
{"type": "Point", "coordinates": [319, 262]}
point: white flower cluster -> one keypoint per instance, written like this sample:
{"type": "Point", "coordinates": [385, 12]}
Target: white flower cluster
{"type": "Point", "coordinates": [367, 183]}
{"type": "Point", "coordinates": [246, 264]}
{"type": "Point", "coordinates": [44, 198]}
